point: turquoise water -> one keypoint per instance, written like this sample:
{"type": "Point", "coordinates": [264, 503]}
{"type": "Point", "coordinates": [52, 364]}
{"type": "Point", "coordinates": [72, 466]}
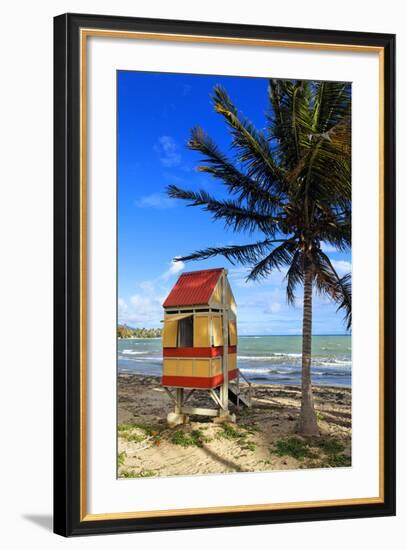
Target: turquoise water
{"type": "Point", "coordinates": [262, 359]}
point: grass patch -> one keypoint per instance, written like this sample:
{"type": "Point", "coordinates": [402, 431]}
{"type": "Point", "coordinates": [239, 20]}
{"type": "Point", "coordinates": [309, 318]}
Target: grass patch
{"type": "Point", "coordinates": [337, 461]}
{"type": "Point", "coordinates": [135, 437]}
{"type": "Point", "coordinates": [229, 432]}
{"type": "Point", "coordinates": [132, 437]}
{"type": "Point", "coordinates": [250, 428]}
{"type": "Point", "coordinates": [195, 438]}
{"type": "Point", "coordinates": [135, 433]}
{"type": "Point", "coordinates": [143, 473]}
{"type": "Point", "coordinates": [232, 433]}
{"type": "Point", "coordinates": [249, 446]}
{"type": "Point", "coordinates": [121, 458]}
{"type": "Point", "coordinates": [294, 447]}
{"type": "Point", "coordinates": [333, 448]}
{"type": "Point", "coordinates": [330, 446]}
{"type": "Point", "coordinates": [150, 429]}
{"type": "Point", "coordinates": [124, 427]}
{"type": "Point", "coordinates": [301, 449]}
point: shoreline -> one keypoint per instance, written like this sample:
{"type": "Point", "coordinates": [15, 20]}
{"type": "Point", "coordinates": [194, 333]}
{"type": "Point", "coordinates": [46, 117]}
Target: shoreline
{"type": "Point", "coordinates": [242, 382]}
{"type": "Point", "coordinates": [263, 360]}
{"type": "Point", "coordinates": [241, 336]}
{"type": "Point", "coordinates": [263, 438]}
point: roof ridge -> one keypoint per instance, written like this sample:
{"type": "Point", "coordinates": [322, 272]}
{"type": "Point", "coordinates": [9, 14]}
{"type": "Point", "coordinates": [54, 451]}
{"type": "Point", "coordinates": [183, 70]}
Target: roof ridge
{"type": "Point", "coordinates": [202, 271]}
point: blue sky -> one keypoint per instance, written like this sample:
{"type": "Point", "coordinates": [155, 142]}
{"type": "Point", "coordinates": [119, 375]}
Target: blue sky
{"type": "Point", "coordinates": [155, 114]}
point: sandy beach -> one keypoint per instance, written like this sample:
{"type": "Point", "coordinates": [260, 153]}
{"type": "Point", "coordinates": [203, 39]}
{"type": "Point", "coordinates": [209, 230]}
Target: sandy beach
{"type": "Point", "coordinates": [262, 439]}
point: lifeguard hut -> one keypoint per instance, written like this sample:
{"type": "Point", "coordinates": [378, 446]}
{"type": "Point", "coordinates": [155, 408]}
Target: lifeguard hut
{"type": "Point", "coordinates": [200, 344]}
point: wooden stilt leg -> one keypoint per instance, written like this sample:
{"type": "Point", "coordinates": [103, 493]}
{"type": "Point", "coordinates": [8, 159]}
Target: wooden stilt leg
{"type": "Point", "coordinates": [179, 400]}
{"type": "Point", "coordinates": [178, 417]}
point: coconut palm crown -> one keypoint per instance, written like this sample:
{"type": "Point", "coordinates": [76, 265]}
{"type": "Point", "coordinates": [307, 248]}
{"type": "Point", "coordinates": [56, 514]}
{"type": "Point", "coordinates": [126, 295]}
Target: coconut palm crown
{"type": "Point", "coordinates": [290, 181]}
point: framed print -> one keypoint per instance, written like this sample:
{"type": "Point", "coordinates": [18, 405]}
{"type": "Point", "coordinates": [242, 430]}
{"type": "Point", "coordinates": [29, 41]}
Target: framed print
{"type": "Point", "coordinates": [224, 274]}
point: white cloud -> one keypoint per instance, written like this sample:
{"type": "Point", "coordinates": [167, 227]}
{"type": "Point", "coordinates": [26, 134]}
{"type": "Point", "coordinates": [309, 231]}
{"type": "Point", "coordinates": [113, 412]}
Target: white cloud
{"type": "Point", "coordinates": [266, 301]}
{"type": "Point", "coordinates": [156, 200]}
{"type": "Point", "coordinates": [174, 269]}
{"type": "Point", "coordinates": [341, 266]}
{"type": "Point", "coordinates": [328, 248]}
{"type": "Point", "coordinates": [141, 310]}
{"type": "Point", "coordinates": [273, 307]}
{"type": "Point", "coordinates": [168, 151]}
{"type": "Point", "coordinates": [122, 308]}
{"type": "Point", "coordinates": [147, 286]}
{"type": "Point", "coordinates": [144, 308]}
{"type": "Point", "coordinates": [238, 276]}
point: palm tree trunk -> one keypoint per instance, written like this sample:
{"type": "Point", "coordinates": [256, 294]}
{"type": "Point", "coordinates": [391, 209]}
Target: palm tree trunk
{"type": "Point", "coordinates": [307, 424]}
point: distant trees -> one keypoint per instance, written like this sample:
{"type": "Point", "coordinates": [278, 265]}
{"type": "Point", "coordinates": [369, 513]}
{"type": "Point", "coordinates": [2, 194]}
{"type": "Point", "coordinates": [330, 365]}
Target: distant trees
{"type": "Point", "coordinates": [124, 331]}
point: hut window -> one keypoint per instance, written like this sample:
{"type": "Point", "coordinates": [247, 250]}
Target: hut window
{"type": "Point", "coordinates": [185, 332]}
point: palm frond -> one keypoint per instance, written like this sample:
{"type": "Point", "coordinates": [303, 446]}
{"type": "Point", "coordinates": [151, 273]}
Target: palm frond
{"type": "Point", "coordinates": [346, 301]}
{"type": "Point", "coordinates": [332, 104]}
{"type": "Point", "coordinates": [336, 232]}
{"type": "Point", "coordinates": [289, 120]}
{"type": "Point", "coordinates": [234, 215]}
{"type": "Point", "coordinates": [244, 254]}
{"type": "Point", "coordinates": [329, 282]}
{"type": "Point", "coordinates": [279, 257]}
{"type": "Point", "coordinates": [258, 194]}
{"type": "Point", "coordinates": [251, 145]}
{"type": "Point", "coordinates": [294, 276]}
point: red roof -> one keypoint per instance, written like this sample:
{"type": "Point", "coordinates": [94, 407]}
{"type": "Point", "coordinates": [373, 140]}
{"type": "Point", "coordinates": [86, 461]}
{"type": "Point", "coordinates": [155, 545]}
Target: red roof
{"type": "Point", "coordinates": [193, 288]}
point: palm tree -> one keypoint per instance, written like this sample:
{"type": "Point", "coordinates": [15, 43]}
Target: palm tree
{"type": "Point", "coordinates": [291, 182]}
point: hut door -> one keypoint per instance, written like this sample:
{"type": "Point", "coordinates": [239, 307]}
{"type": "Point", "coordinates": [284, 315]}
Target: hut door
{"type": "Point", "coordinates": [185, 332]}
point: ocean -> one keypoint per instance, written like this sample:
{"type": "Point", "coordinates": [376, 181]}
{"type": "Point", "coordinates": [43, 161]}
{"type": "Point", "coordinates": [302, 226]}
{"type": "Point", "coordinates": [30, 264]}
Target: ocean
{"type": "Point", "coordinates": [261, 359]}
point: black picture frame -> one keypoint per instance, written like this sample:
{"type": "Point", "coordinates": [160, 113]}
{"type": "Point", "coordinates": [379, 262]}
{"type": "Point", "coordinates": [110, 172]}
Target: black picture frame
{"type": "Point", "coordinates": [67, 345]}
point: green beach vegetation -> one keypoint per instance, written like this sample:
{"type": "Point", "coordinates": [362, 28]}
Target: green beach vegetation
{"type": "Point", "coordinates": [195, 438]}
{"type": "Point", "coordinates": [121, 458]}
{"type": "Point", "coordinates": [136, 433]}
{"type": "Point", "coordinates": [143, 473]}
{"type": "Point", "coordinates": [291, 183]}
{"type": "Point", "coordinates": [124, 331]}
{"type": "Point", "coordinates": [325, 452]}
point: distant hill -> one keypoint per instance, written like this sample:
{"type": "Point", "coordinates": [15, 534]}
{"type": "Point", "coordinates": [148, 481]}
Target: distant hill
{"type": "Point", "coordinates": [124, 331]}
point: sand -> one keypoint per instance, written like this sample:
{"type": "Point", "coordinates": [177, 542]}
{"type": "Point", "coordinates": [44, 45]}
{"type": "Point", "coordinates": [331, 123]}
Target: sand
{"type": "Point", "coordinates": [262, 439]}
